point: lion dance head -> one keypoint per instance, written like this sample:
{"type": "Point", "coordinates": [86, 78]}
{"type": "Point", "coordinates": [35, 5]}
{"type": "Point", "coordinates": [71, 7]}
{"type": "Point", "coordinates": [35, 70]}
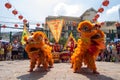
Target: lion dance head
{"type": "Point", "coordinates": [89, 45]}
{"type": "Point", "coordinates": [38, 51]}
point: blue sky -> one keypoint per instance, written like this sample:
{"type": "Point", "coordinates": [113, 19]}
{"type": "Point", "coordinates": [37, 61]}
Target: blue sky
{"type": "Point", "coordinates": [35, 11]}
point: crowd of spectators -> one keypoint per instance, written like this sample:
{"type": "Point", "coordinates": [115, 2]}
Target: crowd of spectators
{"type": "Point", "coordinates": [111, 53]}
{"type": "Point", "coordinates": [15, 51]}
{"type": "Point", "coordinates": [12, 51]}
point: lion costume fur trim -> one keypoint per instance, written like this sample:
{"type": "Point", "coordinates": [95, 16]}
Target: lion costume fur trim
{"type": "Point", "coordinates": [88, 46]}
{"type": "Point", "coordinates": [39, 52]}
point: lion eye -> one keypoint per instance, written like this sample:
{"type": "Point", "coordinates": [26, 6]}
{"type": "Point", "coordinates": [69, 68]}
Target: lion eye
{"type": "Point", "coordinates": [85, 28]}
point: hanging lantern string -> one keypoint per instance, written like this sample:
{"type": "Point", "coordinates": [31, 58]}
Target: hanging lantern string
{"type": "Point", "coordinates": [13, 6]}
{"type": "Point", "coordinates": [100, 10]}
{"type": "Point", "coordinates": [19, 15]}
{"type": "Point", "coordinates": [15, 12]}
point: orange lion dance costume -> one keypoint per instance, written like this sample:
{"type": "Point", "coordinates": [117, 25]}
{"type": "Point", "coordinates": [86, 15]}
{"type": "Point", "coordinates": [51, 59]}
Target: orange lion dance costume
{"type": "Point", "coordinates": [88, 47]}
{"type": "Point", "coordinates": [38, 51]}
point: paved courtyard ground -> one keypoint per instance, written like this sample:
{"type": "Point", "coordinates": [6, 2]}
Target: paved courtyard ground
{"type": "Point", "coordinates": [18, 70]}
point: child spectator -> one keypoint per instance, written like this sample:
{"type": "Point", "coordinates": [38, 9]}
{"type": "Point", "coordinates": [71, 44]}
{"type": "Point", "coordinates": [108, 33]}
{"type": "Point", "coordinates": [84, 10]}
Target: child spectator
{"type": "Point", "coordinates": [2, 53]}
{"type": "Point", "coordinates": [9, 53]}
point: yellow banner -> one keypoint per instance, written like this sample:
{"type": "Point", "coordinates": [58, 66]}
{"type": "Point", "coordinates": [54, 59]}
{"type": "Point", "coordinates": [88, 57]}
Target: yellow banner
{"type": "Point", "coordinates": [56, 28]}
{"type": "Point", "coordinates": [24, 33]}
{"type": "Point", "coordinates": [67, 43]}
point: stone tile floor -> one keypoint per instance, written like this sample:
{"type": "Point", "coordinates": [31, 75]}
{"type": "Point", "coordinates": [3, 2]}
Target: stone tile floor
{"type": "Point", "coordinates": [18, 70]}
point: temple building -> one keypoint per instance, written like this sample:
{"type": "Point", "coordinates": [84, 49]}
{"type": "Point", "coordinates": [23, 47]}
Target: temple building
{"type": "Point", "coordinates": [71, 23]}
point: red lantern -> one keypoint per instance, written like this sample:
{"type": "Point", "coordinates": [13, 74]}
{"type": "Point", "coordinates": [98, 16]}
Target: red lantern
{"type": "Point", "coordinates": [94, 19]}
{"type": "Point", "coordinates": [117, 24]}
{"type": "Point", "coordinates": [8, 5]}
{"type": "Point", "coordinates": [37, 24]}
{"type": "Point", "coordinates": [102, 23]}
{"type": "Point", "coordinates": [20, 17]}
{"type": "Point", "coordinates": [97, 16]}
{"type": "Point", "coordinates": [16, 25]}
{"type": "Point", "coordinates": [15, 12]}
{"type": "Point", "coordinates": [100, 10]}
{"type": "Point", "coordinates": [24, 21]}
{"type": "Point", "coordinates": [4, 26]}
{"type": "Point", "coordinates": [105, 2]}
